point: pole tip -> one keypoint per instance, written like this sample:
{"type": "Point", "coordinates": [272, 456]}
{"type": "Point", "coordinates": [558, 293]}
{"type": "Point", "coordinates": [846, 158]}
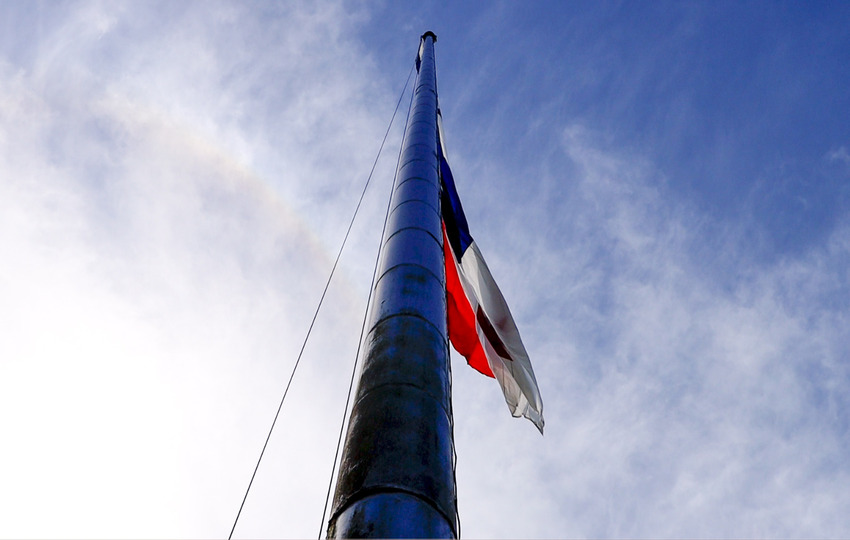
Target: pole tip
{"type": "Point", "coordinates": [430, 33]}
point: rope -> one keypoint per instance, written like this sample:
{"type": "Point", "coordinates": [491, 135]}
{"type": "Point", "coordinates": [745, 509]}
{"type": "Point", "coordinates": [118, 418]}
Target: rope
{"type": "Point", "coordinates": [316, 314]}
{"type": "Point", "coordinates": [365, 316]}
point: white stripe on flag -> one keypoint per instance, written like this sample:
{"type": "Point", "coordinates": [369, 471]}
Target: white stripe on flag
{"type": "Point", "coordinates": [515, 375]}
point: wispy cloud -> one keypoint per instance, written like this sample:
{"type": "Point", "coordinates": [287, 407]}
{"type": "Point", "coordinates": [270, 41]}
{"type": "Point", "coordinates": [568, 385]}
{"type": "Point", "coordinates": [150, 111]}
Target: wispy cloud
{"type": "Point", "coordinates": [839, 154]}
{"type": "Point", "coordinates": [676, 404]}
{"type": "Point", "coordinates": [172, 178]}
{"type": "Point", "coordinates": [160, 268]}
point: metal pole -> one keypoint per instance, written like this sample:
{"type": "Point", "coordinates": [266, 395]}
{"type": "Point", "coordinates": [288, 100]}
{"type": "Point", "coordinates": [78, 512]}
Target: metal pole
{"type": "Point", "coordinates": [396, 476]}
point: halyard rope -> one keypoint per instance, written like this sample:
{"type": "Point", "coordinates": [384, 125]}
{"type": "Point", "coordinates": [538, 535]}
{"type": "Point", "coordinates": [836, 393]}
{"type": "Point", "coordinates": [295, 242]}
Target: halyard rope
{"type": "Point", "coordinates": [316, 314]}
{"type": "Point", "coordinates": [365, 316]}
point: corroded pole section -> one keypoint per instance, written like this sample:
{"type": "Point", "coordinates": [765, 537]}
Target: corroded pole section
{"type": "Point", "coordinates": [396, 475]}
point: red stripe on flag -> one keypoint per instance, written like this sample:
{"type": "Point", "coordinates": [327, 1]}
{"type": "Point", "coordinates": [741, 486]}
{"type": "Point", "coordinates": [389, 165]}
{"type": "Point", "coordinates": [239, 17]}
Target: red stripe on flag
{"type": "Point", "coordinates": [461, 317]}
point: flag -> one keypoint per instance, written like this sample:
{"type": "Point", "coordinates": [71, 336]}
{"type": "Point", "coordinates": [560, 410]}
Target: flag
{"type": "Point", "coordinates": [480, 324]}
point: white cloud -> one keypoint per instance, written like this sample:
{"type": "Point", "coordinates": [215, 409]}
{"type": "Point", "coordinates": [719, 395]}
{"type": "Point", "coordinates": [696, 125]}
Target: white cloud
{"type": "Point", "coordinates": [171, 178]}
{"type": "Point", "coordinates": [675, 406]}
{"type": "Point", "coordinates": [159, 270]}
{"type": "Point", "coordinates": [839, 154]}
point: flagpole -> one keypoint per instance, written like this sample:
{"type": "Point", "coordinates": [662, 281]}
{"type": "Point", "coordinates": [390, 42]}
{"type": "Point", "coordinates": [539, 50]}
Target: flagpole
{"type": "Point", "coordinates": [396, 476]}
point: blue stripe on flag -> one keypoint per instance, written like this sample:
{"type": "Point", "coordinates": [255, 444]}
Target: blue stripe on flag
{"type": "Point", "coordinates": [456, 227]}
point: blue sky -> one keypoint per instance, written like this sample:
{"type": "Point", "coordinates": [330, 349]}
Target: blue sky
{"type": "Point", "coordinates": [661, 190]}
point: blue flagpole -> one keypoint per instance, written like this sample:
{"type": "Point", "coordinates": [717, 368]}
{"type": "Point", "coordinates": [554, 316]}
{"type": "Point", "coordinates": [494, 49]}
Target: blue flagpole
{"type": "Point", "coordinates": [396, 476]}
